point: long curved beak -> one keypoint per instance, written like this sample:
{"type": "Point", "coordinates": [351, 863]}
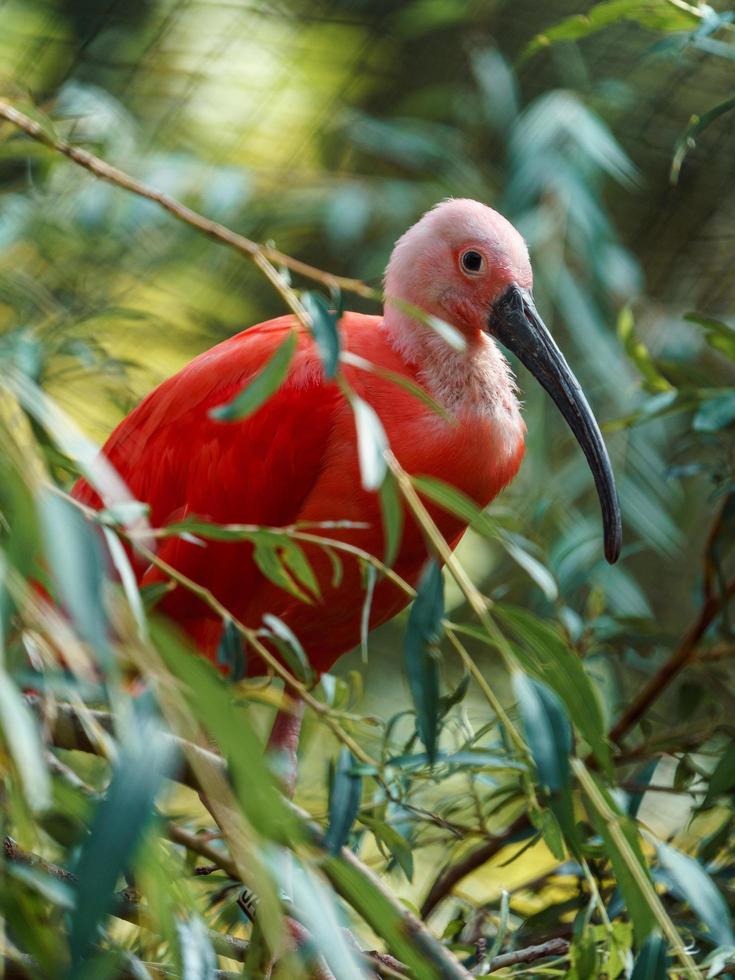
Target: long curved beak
{"type": "Point", "coordinates": [515, 322]}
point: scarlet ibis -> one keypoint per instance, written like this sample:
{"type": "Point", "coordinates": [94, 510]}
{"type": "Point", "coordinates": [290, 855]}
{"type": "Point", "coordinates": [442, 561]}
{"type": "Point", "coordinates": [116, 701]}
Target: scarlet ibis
{"type": "Point", "coordinates": [295, 459]}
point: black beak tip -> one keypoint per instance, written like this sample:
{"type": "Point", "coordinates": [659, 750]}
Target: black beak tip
{"type": "Point", "coordinates": [613, 540]}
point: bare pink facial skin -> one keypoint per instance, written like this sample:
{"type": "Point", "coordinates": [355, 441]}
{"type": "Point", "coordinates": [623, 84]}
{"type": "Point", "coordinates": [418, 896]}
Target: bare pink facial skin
{"type": "Point", "coordinates": [426, 265]}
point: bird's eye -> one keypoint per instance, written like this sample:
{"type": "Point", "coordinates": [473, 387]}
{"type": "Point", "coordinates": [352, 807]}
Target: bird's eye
{"type": "Point", "coordinates": [472, 262]}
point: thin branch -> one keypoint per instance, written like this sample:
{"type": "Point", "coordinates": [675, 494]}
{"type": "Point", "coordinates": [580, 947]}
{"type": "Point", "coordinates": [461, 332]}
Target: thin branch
{"type": "Point", "coordinates": [212, 229]}
{"type": "Point", "coordinates": [554, 947]}
{"type": "Point", "coordinates": [663, 677]}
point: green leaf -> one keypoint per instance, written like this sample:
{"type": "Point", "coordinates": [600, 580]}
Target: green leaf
{"type": "Point", "coordinates": [315, 906]}
{"type": "Point", "coordinates": [77, 567]}
{"type": "Point", "coordinates": [116, 829]}
{"type": "Point", "coordinates": [295, 560]}
{"type": "Point", "coordinates": [231, 651]}
{"type": "Point", "coordinates": [695, 127]}
{"type": "Point", "coordinates": [723, 777]}
{"type": "Point", "coordinates": [22, 738]}
{"type": "Point", "coordinates": [720, 335]}
{"type": "Point", "coordinates": [455, 502]}
{"type": "Point", "coordinates": [372, 443]}
{"type": "Point", "coordinates": [698, 889]}
{"type": "Point", "coordinates": [267, 555]}
{"type": "Point", "coordinates": [324, 326]}
{"type": "Point", "coordinates": [289, 647]}
{"type": "Point", "coordinates": [715, 413]}
{"type": "Point", "coordinates": [652, 961]}
{"type": "Point", "coordinates": [261, 386]}
{"type": "Point", "coordinates": [391, 508]}
{"type": "Point", "coordinates": [653, 380]}
{"type": "Point", "coordinates": [639, 911]}
{"type": "Point", "coordinates": [422, 634]}
{"type": "Point", "coordinates": [394, 841]}
{"type": "Point", "coordinates": [544, 655]}
{"type": "Point", "coordinates": [535, 569]}
{"type": "Point", "coordinates": [659, 15]}
{"type": "Point", "coordinates": [344, 801]}
{"type": "Point", "coordinates": [210, 701]}
{"type": "Point", "coordinates": [547, 728]}
{"type": "Point", "coordinates": [425, 959]}
{"type": "Point", "coordinates": [198, 959]}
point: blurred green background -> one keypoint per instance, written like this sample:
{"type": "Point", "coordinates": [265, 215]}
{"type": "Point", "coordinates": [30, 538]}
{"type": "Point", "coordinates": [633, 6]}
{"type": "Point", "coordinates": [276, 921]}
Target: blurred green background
{"type": "Point", "coordinates": [327, 128]}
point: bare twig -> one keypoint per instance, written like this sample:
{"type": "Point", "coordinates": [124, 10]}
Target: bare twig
{"type": "Point", "coordinates": [260, 254]}
{"type": "Point", "coordinates": [554, 947]}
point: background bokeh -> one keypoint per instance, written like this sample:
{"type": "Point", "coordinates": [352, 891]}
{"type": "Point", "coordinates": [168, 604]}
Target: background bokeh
{"type": "Point", "coordinates": [327, 128]}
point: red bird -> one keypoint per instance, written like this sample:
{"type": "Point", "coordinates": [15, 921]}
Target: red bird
{"type": "Point", "coordinates": [296, 457]}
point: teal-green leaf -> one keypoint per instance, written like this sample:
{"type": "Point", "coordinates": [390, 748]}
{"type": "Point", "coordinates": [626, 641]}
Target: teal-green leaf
{"type": "Point", "coordinates": [396, 843]}
{"type": "Point", "coordinates": [698, 889]}
{"type": "Point", "coordinates": [723, 777]}
{"type": "Point", "coordinates": [544, 655]}
{"type": "Point", "coordinates": [715, 413]}
{"type": "Point", "coordinates": [261, 386]}
{"type": "Point", "coordinates": [231, 651]}
{"type": "Point", "coordinates": [652, 961]}
{"type": "Point", "coordinates": [372, 443]}
{"type": "Point", "coordinates": [422, 634]}
{"type": "Point", "coordinates": [547, 728]}
{"type": "Point", "coordinates": [119, 821]}
{"type": "Point", "coordinates": [324, 326]}
{"type": "Point", "coordinates": [391, 509]}
{"type": "Point", "coordinates": [76, 558]}
{"type": "Point", "coordinates": [21, 735]}
{"type": "Point", "coordinates": [344, 801]}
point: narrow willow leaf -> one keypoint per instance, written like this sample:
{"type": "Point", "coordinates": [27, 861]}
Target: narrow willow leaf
{"type": "Point", "coordinates": [261, 386]}
{"type": "Point", "coordinates": [424, 956]}
{"type": "Point", "coordinates": [545, 656]}
{"type": "Point", "coordinates": [638, 353]}
{"type": "Point", "coordinates": [210, 701]}
{"type": "Point", "coordinates": [547, 728]}
{"type": "Point", "coordinates": [295, 560]}
{"type": "Point", "coordinates": [314, 905]}
{"type": "Point", "coordinates": [344, 801]}
{"type": "Point", "coordinates": [535, 569]}
{"type": "Point", "coordinates": [457, 503]}
{"type": "Point", "coordinates": [657, 16]}
{"type": "Point", "coordinates": [23, 740]}
{"type": "Point", "coordinates": [77, 567]}
{"type": "Point", "coordinates": [267, 556]}
{"type": "Point", "coordinates": [723, 777]}
{"type": "Point", "coordinates": [198, 959]}
{"type": "Point", "coordinates": [394, 841]}
{"type": "Point", "coordinates": [698, 889]}
{"type": "Point", "coordinates": [324, 326]}
{"type": "Point", "coordinates": [372, 443]}
{"type": "Point", "coordinates": [391, 508]}
{"type": "Point", "coordinates": [636, 903]}
{"type": "Point", "coordinates": [652, 961]}
{"type": "Point", "coordinates": [116, 830]}
{"type": "Point", "coordinates": [231, 652]}
{"type": "Point", "coordinates": [715, 413]}
{"type": "Point", "coordinates": [696, 126]}
{"type": "Point", "coordinates": [290, 648]}
{"type": "Point", "coordinates": [422, 634]}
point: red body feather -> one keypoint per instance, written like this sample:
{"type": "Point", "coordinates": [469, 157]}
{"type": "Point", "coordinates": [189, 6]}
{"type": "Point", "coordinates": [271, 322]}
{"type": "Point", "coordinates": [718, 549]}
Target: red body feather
{"type": "Point", "coordinates": [294, 459]}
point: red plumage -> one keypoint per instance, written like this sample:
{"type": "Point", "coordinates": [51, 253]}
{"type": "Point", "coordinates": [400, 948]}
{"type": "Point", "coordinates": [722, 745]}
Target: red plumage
{"type": "Point", "coordinates": [294, 459]}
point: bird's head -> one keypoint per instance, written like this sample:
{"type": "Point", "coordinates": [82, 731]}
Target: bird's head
{"type": "Point", "coordinates": [468, 265]}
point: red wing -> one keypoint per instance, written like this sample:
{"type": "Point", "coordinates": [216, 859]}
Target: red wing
{"type": "Point", "coordinates": [180, 461]}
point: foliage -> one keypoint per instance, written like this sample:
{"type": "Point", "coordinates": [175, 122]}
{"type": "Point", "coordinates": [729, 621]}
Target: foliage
{"type": "Point", "coordinates": [578, 785]}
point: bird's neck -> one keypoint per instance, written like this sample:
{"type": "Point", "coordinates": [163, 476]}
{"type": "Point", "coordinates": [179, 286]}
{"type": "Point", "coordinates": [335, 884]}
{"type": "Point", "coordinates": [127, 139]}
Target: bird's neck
{"type": "Point", "coordinates": [476, 381]}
